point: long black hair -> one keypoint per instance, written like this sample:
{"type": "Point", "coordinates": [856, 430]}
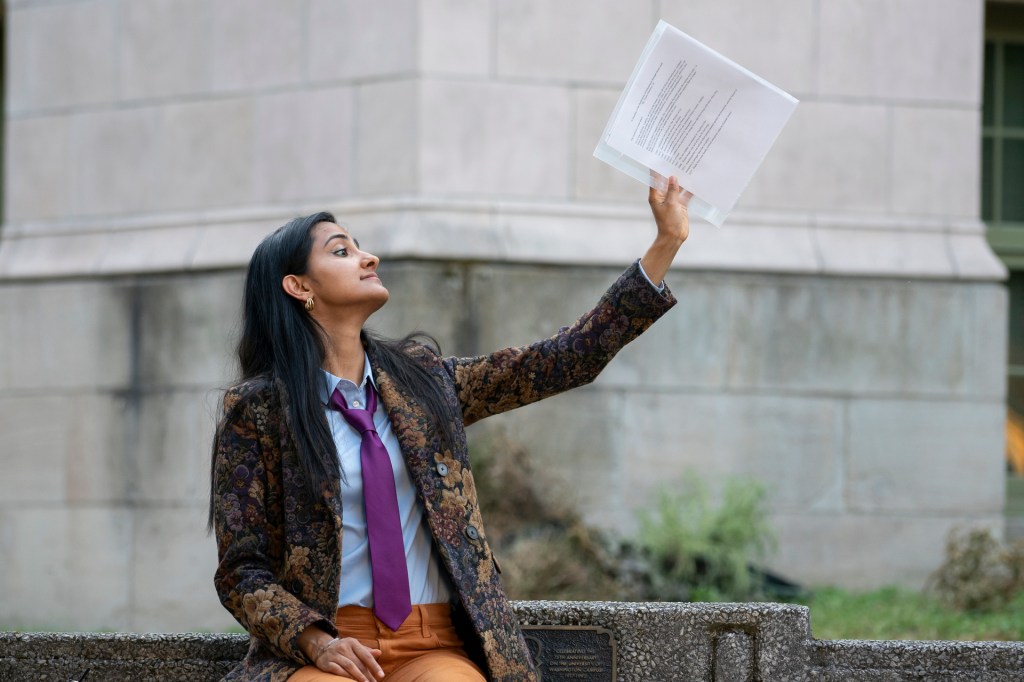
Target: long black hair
{"type": "Point", "coordinates": [280, 341]}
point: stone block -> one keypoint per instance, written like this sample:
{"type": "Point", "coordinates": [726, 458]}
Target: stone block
{"type": "Point", "coordinates": [803, 170]}
{"type": "Point", "coordinates": [18, 77]}
{"type": "Point", "coordinates": [686, 347]}
{"type": "Point", "coordinates": [426, 229]}
{"type": "Point", "coordinates": [257, 44]}
{"type": "Point", "coordinates": [35, 446]}
{"type": "Point", "coordinates": [717, 436]}
{"type": "Point", "coordinates": [52, 255]}
{"type": "Point", "coordinates": [172, 454]}
{"type": "Point", "coordinates": [207, 152]}
{"type": "Point", "coordinates": [596, 180]}
{"type": "Point", "coordinates": [974, 259]}
{"type": "Point", "coordinates": [98, 465]}
{"type": "Point", "coordinates": [861, 336]}
{"type": "Point", "coordinates": [38, 168]}
{"type": "Point", "coordinates": [305, 145]}
{"type": "Point", "coordinates": [734, 657]}
{"type": "Point", "coordinates": [64, 336]}
{"type": "Point", "coordinates": [186, 330]}
{"type": "Point", "coordinates": [494, 139]}
{"type": "Point", "coordinates": [166, 48]}
{"type": "Point", "coordinates": [172, 576]}
{"type": "Point", "coordinates": [935, 161]}
{"type": "Point", "coordinates": [593, 236]}
{"type": "Point", "coordinates": [866, 551]}
{"type": "Point", "coordinates": [751, 244]}
{"type": "Point", "coordinates": [65, 568]}
{"type": "Point", "coordinates": [925, 457]}
{"type": "Point", "coordinates": [885, 253]}
{"type": "Point", "coordinates": [455, 37]}
{"type": "Point", "coordinates": [113, 169]}
{"type": "Point", "coordinates": [81, 71]}
{"type": "Point", "coordinates": [63, 448]}
{"type": "Point", "coordinates": [913, 50]}
{"type": "Point", "coordinates": [988, 341]}
{"type": "Point", "coordinates": [573, 40]}
{"type": "Point", "coordinates": [517, 305]}
{"type": "Point", "coordinates": [573, 442]}
{"type": "Point", "coordinates": [389, 134]}
{"type": "Point", "coordinates": [345, 39]}
{"type": "Point", "coordinates": [133, 250]}
{"type": "Point", "coordinates": [231, 243]}
{"type": "Point", "coordinates": [777, 39]}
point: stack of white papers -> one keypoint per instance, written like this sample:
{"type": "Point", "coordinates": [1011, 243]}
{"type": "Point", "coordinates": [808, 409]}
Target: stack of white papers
{"type": "Point", "coordinates": [690, 112]}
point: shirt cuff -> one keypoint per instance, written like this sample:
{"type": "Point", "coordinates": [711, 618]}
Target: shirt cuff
{"type": "Point", "coordinates": [657, 287]}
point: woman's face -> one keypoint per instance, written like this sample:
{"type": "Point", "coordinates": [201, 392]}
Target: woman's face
{"type": "Point", "coordinates": [341, 278]}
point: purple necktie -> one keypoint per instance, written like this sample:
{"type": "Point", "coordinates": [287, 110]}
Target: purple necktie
{"type": "Point", "coordinates": [391, 602]}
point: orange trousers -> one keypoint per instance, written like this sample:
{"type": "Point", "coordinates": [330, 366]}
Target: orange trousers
{"type": "Point", "coordinates": [425, 648]}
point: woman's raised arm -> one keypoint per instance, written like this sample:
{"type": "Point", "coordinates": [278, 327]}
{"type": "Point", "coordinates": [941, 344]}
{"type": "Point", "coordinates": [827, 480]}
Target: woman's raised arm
{"type": "Point", "coordinates": [673, 218]}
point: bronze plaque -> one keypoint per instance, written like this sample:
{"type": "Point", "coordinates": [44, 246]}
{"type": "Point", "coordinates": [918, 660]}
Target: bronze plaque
{"type": "Point", "coordinates": [567, 653]}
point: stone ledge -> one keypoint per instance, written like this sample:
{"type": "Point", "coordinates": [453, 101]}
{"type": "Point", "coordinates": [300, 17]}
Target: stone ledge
{"type": "Point", "coordinates": [553, 233]}
{"type": "Point", "coordinates": [655, 641]}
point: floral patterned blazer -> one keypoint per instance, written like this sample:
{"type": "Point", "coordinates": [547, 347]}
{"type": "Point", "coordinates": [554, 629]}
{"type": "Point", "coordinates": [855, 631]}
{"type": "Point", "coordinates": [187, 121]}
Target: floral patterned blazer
{"type": "Point", "coordinates": [280, 551]}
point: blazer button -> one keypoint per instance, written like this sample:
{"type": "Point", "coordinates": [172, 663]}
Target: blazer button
{"type": "Point", "coordinates": [472, 533]}
{"type": "Point", "coordinates": [442, 468]}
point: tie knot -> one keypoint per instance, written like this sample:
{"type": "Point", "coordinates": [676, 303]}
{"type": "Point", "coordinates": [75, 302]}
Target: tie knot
{"type": "Point", "coordinates": [360, 420]}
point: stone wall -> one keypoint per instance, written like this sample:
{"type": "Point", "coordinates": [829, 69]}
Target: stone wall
{"type": "Point", "coordinates": [841, 338]}
{"type": "Point", "coordinates": [653, 643]}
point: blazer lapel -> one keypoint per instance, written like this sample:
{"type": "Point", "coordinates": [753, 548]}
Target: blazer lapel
{"type": "Point", "coordinates": [412, 428]}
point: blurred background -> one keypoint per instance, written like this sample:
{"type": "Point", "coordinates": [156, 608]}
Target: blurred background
{"type": "Point", "coordinates": [852, 338]}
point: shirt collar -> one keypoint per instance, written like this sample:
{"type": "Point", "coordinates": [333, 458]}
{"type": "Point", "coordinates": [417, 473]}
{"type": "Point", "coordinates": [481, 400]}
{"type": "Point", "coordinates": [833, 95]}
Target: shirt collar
{"type": "Point", "coordinates": [331, 382]}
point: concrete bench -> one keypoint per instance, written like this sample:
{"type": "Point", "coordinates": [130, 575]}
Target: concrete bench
{"type": "Point", "coordinates": [650, 641]}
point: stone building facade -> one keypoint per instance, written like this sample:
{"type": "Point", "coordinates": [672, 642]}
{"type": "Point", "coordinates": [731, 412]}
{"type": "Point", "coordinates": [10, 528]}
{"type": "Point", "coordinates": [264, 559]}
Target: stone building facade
{"type": "Point", "coordinates": [841, 338]}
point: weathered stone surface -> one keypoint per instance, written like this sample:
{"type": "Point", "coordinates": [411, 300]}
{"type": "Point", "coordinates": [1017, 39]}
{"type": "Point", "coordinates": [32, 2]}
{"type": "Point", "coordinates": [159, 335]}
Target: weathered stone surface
{"type": "Point", "coordinates": [207, 154]}
{"type": "Point", "coordinates": [55, 557]}
{"type": "Point", "coordinates": [455, 37]}
{"type": "Point", "coordinates": [81, 72]}
{"type": "Point", "coordinates": [923, 179]}
{"type": "Point", "coordinates": [734, 657]}
{"type": "Point", "coordinates": [743, 30]}
{"type": "Point", "coordinates": [656, 642]}
{"type": "Point", "coordinates": [800, 172]}
{"type": "Point", "coordinates": [574, 40]}
{"type": "Point", "coordinates": [38, 168]}
{"type": "Point", "coordinates": [897, 661]}
{"type": "Point", "coordinates": [344, 39]}
{"type": "Point", "coordinates": [866, 49]}
{"type": "Point", "coordinates": [165, 48]}
{"type": "Point", "coordinates": [891, 442]}
{"type": "Point", "coordinates": [481, 139]}
{"type": "Point", "coordinates": [386, 154]}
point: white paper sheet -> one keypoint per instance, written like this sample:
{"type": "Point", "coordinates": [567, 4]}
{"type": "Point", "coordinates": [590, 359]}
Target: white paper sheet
{"type": "Point", "coordinates": [690, 112]}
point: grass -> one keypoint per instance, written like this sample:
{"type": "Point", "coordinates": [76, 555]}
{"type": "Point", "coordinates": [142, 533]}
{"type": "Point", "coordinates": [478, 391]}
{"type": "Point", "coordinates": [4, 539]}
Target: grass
{"type": "Point", "coordinates": [893, 613]}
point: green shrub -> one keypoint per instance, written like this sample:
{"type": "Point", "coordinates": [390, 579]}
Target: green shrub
{"type": "Point", "coordinates": [699, 551]}
{"type": "Point", "coordinates": [687, 549]}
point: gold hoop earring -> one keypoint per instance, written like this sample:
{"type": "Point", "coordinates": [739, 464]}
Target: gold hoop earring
{"type": "Point", "coordinates": [309, 305]}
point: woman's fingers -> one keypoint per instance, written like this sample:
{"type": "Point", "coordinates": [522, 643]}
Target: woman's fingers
{"type": "Point", "coordinates": [349, 657]}
{"type": "Point", "coordinates": [369, 660]}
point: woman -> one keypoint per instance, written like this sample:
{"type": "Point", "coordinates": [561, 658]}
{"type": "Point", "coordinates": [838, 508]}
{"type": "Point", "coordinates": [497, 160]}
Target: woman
{"type": "Point", "coordinates": [324, 408]}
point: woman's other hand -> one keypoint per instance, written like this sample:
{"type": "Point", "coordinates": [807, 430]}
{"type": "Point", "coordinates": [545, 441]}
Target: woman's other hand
{"type": "Point", "coordinates": [345, 656]}
{"type": "Point", "coordinates": [671, 213]}
{"type": "Point", "coordinates": [349, 657]}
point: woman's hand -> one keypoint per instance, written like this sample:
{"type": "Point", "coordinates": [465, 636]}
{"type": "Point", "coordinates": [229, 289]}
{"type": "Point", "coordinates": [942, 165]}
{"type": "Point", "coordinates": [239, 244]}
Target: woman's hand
{"type": "Point", "coordinates": [669, 207]}
{"type": "Point", "coordinates": [344, 656]}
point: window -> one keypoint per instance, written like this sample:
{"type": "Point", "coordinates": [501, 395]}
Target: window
{"type": "Point", "coordinates": [1002, 139]}
{"type": "Point", "coordinates": [1002, 209]}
